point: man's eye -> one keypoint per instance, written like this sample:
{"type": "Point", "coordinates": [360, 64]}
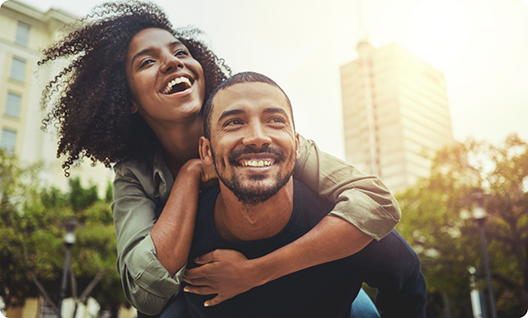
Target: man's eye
{"type": "Point", "coordinates": [277, 120]}
{"type": "Point", "coordinates": [233, 122]}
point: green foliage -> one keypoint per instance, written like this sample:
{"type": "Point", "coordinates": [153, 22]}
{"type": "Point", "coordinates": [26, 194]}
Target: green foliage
{"type": "Point", "coordinates": [32, 228]}
{"type": "Point", "coordinates": [437, 222]}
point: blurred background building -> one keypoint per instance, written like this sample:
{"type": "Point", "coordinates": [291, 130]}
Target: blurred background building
{"type": "Point", "coordinates": [395, 108]}
{"type": "Point", "coordinates": [25, 31]}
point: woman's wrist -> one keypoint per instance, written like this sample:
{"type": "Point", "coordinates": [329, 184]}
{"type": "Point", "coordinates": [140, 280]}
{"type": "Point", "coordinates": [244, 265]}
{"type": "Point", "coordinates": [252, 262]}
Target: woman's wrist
{"type": "Point", "coordinates": [265, 269]}
{"type": "Point", "coordinates": [192, 168]}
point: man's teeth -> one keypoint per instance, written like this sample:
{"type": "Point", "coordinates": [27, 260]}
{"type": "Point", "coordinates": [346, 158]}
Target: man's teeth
{"type": "Point", "coordinates": [255, 163]}
{"type": "Point", "coordinates": [176, 81]}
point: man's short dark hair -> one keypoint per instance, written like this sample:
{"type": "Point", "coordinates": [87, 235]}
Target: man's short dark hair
{"type": "Point", "coordinates": [239, 78]}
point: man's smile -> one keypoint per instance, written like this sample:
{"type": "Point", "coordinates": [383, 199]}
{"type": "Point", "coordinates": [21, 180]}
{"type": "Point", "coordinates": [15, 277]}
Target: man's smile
{"type": "Point", "coordinates": [256, 162]}
{"type": "Point", "coordinates": [256, 158]}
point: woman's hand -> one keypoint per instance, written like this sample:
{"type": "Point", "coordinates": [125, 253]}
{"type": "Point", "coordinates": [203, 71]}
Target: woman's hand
{"type": "Point", "coordinates": [207, 174]}
{"type": "Point", "coordinates": [226, 273]}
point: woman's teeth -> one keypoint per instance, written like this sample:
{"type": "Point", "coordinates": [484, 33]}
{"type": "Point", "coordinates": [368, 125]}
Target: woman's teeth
{"type": "Point", "coordinates": [180, 80]}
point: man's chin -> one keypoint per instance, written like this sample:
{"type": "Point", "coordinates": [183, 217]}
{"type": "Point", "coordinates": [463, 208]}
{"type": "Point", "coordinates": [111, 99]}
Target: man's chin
{"type": "Point", "coordinates": [257, 177]}
{"type": "Point", "coordinates": [253, 192]}
{"type": "Point", "coordinates": [255, 196]}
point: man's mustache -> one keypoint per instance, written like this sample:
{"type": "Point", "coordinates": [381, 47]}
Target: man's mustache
{"type": "Point", "coordinates": [245, 150]}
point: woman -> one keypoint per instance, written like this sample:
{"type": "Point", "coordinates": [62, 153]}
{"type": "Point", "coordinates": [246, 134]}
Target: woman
{"type": "Point", "coordinates": [129, 98]}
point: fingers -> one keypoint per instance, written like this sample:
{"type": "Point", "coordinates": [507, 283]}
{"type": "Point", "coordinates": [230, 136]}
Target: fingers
{"type": "Point", "coordinates": [196, 281]}
{"type": "Point", "coordinates": [192, 274]}
{"type": "Point", "coordinates": [206, 258]}
{"type": "Point", "coordinates": [199, 290]}
{"type": "Point", "coordinates": [215, 301]}
{"type": "Point", "coordinates": [204, 290]}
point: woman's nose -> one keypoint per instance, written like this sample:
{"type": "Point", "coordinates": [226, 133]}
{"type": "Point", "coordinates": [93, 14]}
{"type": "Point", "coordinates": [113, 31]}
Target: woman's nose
{"type": "Point", "coordinates": [171, 63]}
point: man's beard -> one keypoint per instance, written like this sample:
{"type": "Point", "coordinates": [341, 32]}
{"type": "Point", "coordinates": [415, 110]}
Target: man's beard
{"type": "Point", "coordinates": [248, 195]}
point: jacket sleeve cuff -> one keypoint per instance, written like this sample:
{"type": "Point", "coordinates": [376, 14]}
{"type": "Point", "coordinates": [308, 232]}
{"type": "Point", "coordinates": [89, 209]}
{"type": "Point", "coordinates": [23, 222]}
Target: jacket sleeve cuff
{"type": "Point", "coordinates": [149, 274]}
{"type": "Point", "coordinates": [368, 217]}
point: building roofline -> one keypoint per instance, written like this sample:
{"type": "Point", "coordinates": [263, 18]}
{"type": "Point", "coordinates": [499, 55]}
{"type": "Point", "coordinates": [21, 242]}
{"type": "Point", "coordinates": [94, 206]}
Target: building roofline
{"type": "Point", "coordinates": [24, 8]}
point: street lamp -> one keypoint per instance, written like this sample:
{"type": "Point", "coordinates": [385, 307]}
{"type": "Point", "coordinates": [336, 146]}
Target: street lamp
{"type": "Point", "coordinates": [479, 215]}
{"type": "Point", "coordinates": [69, 240]}
{"type": "Point", "coordinates": [474, 294]}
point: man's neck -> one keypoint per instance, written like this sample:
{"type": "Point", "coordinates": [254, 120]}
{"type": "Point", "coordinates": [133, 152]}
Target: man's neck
{"type": "Point", "coordinates": [236, 221]}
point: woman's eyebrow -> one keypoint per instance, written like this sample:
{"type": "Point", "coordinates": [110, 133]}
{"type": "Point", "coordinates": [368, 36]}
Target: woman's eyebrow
{"type": "Point", "coordinates": [147, 50]}
{"type": "Point", "coordinates": [142, 52]}
{"type": "Point", "coordinates": [175, 43]}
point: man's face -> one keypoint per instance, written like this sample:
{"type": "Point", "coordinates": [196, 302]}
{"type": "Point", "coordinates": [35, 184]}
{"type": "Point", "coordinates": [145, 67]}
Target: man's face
{"type": "Point", "coordinates": [253, 143]}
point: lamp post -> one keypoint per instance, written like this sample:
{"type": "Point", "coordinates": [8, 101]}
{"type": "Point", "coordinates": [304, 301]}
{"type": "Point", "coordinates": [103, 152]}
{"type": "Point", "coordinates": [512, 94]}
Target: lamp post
{"type": "Point", "coordinates": [479, 215]}
{"type": "Point", "coordinates": [474, 294]}
{"type": "Point", "coordinates": [69, 240]}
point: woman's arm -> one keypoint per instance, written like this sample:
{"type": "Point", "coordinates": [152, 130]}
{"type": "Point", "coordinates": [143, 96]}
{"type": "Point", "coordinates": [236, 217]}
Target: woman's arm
{"type": "Point", "coordinates": [364, 209]}
{"type": "Point", "coordinates": [362, 200]}
{"type": "Point", "coordinates": [152, 253]}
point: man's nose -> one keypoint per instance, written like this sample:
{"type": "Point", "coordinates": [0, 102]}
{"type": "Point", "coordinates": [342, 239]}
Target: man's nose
{"type": "Point", "coordinates": [170, 63]}
{"type": "Point", "coordinates": [256, 135]}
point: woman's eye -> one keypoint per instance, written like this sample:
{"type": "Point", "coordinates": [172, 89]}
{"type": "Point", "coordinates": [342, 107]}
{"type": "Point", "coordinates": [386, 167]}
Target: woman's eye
{"type": "Point", "coordinates": [181, 52]}
{"type": "Point", "coordinates": [145, 62]}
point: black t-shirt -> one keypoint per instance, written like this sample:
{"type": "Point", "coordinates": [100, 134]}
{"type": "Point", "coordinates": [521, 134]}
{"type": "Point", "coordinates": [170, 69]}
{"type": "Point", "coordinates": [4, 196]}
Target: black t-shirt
{"type": "Point", "coordinates": [326, 290]}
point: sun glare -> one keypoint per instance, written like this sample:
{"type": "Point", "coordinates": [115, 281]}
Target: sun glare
{"type": "Point", "coordinates": [439, 31]}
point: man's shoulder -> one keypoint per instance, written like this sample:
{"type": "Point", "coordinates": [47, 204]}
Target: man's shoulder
{"type": "Point", "coordinates": [209, 193]}
{"type": "Point", "coordinates": [307, 200]}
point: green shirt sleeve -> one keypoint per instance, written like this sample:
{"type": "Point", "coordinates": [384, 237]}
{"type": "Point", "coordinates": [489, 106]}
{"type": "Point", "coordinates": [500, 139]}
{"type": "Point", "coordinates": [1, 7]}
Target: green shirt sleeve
{"type": "Point", "coordinates": [360, 199]}
{"type": "Point", "coordinates": [148, 286]}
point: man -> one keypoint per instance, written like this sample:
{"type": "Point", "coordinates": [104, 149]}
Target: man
{"type": "Point", "coordinates": [257, 208]}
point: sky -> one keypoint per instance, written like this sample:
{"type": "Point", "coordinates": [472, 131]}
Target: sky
{"type": "Point", "coordinates": [480, 45]}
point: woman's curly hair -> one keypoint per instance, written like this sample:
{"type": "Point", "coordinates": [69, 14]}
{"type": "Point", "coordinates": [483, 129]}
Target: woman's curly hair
{"type": "Point", "coordinates": [90, 99]}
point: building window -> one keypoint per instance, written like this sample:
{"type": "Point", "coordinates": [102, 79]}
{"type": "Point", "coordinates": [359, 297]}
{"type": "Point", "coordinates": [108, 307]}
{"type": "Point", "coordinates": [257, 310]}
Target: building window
{"type": "Point", "coordinates": [18, 68]}
{"type": "Point", "coordinates": [7, 141]}
{"type": "Point", "coordinates": [22, 33]}
{"type": "Point", "coordinates": [13, 105]}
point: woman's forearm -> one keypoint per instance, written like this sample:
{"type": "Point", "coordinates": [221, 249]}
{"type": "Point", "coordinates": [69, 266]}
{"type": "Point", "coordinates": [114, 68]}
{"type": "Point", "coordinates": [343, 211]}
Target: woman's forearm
{"type": "Point", "coordinates": [332, 239]}
{"type": "Point", "coordinates": [173, 232]}
{"type": "Point", "coordinates": [360, 199]}
{"type": "Point", "coordinates": [228, 273]}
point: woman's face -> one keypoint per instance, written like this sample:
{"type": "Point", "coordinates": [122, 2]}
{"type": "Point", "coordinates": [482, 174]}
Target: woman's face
{"type": "Point", "coordinates": [166, 82]}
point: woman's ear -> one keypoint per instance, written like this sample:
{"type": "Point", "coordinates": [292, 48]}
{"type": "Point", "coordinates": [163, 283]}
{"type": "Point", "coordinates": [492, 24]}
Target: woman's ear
{"type": "Point", "coordinates": [205, 151]}
{"type": "Point", "coordinates": [134, 108]}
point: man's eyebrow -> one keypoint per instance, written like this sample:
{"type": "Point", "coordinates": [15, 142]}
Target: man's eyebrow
{"type": "Point", "coordinates": [272, 110]}
{"type": "Point", "coordinates": [230, 112]}
{"type": "Point", "coordinates": [147, 50]}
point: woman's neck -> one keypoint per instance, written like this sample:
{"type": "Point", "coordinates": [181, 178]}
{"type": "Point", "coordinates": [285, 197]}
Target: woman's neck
{"type": "Point", "coordinates": [180, 143]}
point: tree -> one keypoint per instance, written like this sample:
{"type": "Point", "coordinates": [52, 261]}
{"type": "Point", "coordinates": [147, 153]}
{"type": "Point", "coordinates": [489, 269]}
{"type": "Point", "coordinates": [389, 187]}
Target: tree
{"type": "Point", "coordinates": [32, 229]}
{"type": "Point", "coordinates": [437, 223]}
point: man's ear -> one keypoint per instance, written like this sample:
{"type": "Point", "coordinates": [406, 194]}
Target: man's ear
{"type": "Point", "coordinates": [205, 151]}
{"type": "Point", "coordinates": [297, 146]}
{"type": "Point", "coordinates": [134, 108]}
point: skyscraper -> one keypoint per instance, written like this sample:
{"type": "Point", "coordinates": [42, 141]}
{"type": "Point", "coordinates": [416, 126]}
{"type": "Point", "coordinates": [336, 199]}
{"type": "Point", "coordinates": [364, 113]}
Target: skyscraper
{"type": "Point", "coordinates": [394, 107]}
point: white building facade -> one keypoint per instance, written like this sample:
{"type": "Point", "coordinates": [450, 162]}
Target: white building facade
{"type": "Point", "coordinates": [395, 108]}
